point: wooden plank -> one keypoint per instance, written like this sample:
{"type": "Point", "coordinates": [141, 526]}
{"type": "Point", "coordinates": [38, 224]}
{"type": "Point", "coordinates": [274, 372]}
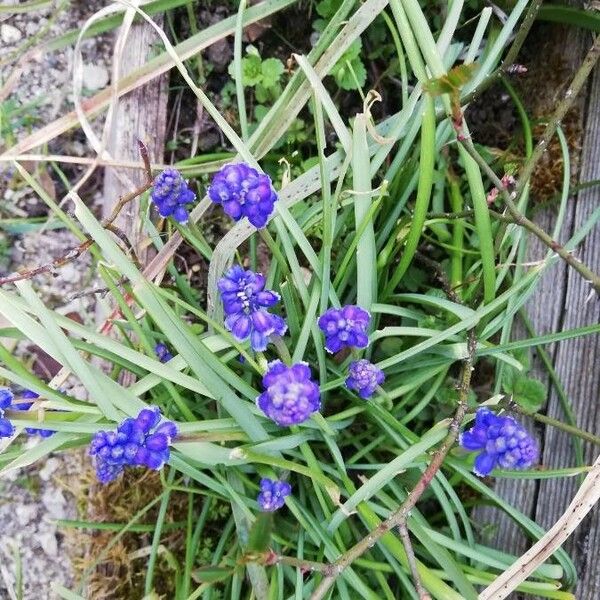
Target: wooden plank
{"type": "Point", "coordinates": [141, 114]}
{"type": "Point", "coordinates": [577, 364]}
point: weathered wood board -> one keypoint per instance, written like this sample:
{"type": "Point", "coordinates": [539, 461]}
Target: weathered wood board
{"type": "Point", "coordinates": [141, 114]}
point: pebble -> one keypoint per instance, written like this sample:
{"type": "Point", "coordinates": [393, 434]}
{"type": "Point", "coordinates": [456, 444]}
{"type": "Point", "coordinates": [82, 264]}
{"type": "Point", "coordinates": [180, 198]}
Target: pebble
{"type": "Point", "coordinates": [25, 513]}
{"type": "Point", "coordinates": [70, 274]}
{"type": "Point", "coordinates": [10, 34]}
{"type": "Point", "coordinates": [48, 543]}
{"type": "Point", "coordinates": [52, 464]}
{"type": "Point", "coordinates": [95, 77]}
{"type": "Point", "coordinates": [55, 503]}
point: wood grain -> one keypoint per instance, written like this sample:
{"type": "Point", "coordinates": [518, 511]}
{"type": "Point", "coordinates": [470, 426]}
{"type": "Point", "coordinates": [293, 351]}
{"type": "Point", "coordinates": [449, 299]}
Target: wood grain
{"type": "Point", "coordinates": [577, 364]}
{"type": "Point", "coordinates": [141, 114]}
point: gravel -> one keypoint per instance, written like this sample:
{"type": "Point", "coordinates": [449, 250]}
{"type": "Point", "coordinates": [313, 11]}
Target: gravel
{"type": "Point", "coordinates": [45, 81]}
{"type": "Point", "coordinates": [34, 498]}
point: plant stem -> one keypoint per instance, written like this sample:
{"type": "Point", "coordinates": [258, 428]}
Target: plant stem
{"type": "Point", "coordinates": [511, 55]}
{"type": "Point", "coordinates": [540, 418]}
{"type": "Point", "coordinates": [561, 110]}
{"type": "Point", "coordinates": [519, 40]}
{"type": "Point", "coordinates": [274, 248]}
{"type": "Point", "coordinates": [412, 561]}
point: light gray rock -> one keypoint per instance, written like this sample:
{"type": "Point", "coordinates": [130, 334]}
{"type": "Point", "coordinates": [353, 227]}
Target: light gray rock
{"type": "Point", "coordinates": [95, 76]}
{"type": "Point", "coordinates": [48, 543]}
{"type": "Point", "coordinates": [25, 513]}
{"type": "Point", "coordinates": [46, 472]}
{"type": "Point", "coordinates": [10, 34]}
{"type": "Point", "coordinates": [54, 502]}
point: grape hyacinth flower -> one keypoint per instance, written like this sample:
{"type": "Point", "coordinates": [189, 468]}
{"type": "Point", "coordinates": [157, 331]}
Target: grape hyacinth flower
{"type": "Point", "coordinates": [345, 327]}
{"type": "Point", "coordinates": [162, 353]}
{"type": "Point", "coordinates": [364, 377]}
{"type": "Point", "coordinates": [138, 441]}
{"type": "Point", "coordinates": [245, 302]}
{"type": "Point", "coordinates": [19, 405]}
{"type": "Point", "coordinates": [272, 494]}
{"type": "Point", "coordinates": [502, 441]}
{"type": "Point", "coordinates": [31, 395]}
{"type": "Point", "coordinates": [290, 396]}
{"type": "Point", "coordinates": [243, 192]}
{"type": "Point", "coordinates": [6, 398]}
{"type": "Point", "coordinates": [6, 427]}
{"type": "Point", "coordinates": [171, 194]}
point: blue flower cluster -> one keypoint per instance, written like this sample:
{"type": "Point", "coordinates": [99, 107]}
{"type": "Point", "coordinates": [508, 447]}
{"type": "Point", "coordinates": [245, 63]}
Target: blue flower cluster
{"type": "Point", "coordinates": [345, 327]}
{"type": "Point", "coordinates": [6, 427]}
{"type": "Point", "coordinates": [162, 353]}
{"type": "Point", "coordinates": [136, 442]}
{"type": "Point", "coordinates": [290, 395]}
{"type": "Point", "coordinates": [502, 442]}
{"type": "Point", "coordinates": [7, 400]}
{"type": "Point", "coordinates": [243, 192]}
{"type": "Point", "coordinates": [272, 494]}
{"type": "Point", "coordinates": [245, 302]}
{"type": "Point", "coordinates": [171, 195]}
{"type": "Point", "coordinates": [364, 377]}
{"type": "Point", "coordinates": [31, 395]}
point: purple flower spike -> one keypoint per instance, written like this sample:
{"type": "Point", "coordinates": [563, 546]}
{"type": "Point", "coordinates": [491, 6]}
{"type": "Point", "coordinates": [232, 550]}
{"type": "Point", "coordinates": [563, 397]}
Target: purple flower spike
{"type": "Point", "coordinates": [6, 398]}
{"type": "Point", "coordinates": [290, 396]}
{"type": "Point", "coordinates": [26, 395]}
{"type": "Point", "coordinates": [6, 427]}
{"type": "Point", "coordinates": [243, 192]}
{"type": "Point", "coordinates": [7, 401]}
{"type": "Point", "coordinates": [162, 352]}
{"type": "Point", "coordinates": [31, 395]}
{"type": "Point", "coordinates": [136, 442]}
{"type": "Point", "coordinates": [502, 442]}
{"type": "Point", "coordinates": [364, 377]}
{"type": "Point", "coordinates": [273, 494]}
{"type": "Point", "coordinates": [245, 303]}
{"type": "Point", "coordinates": [171, 194]}
{"type": "Point", "coordinates": [345, 327]}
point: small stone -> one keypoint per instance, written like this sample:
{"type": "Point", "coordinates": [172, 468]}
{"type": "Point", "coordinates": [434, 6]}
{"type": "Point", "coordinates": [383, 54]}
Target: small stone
{"type": "Point", "coordinates": [10, 34]}
{"type": "Point", "coordinates": [95, 77]}
{"type": "Point", "coordinates": [25, 513]}
{"type": "Point", "coordinates": [219, 55]}
{"type": "Point", "coordinates": [69, 273]}
{"type": "Point", "coordinates": [49, 468]}
{"type": "Point", "coordinates": [48, 543]}
{"type": "Point", "coordinates": [54, 502]}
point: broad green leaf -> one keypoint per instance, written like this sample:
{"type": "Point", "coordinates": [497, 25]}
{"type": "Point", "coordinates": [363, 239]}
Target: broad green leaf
{"type": "Point", "coordinates": [260, 533]}
{"type": "Point", "coordinates": [530, 394]}
{"type": "Point", "coordinates": [212, 574]}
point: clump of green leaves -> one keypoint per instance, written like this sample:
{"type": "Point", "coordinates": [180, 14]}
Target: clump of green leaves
{"type": "Point", "coordinates": [349, 71]}
{"type": "Point", "coordinates": [529, 393]}
{"type": "Point", "coordinates": [15, 116]}
{"type": "Point", "coordinates": [263, 76]}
